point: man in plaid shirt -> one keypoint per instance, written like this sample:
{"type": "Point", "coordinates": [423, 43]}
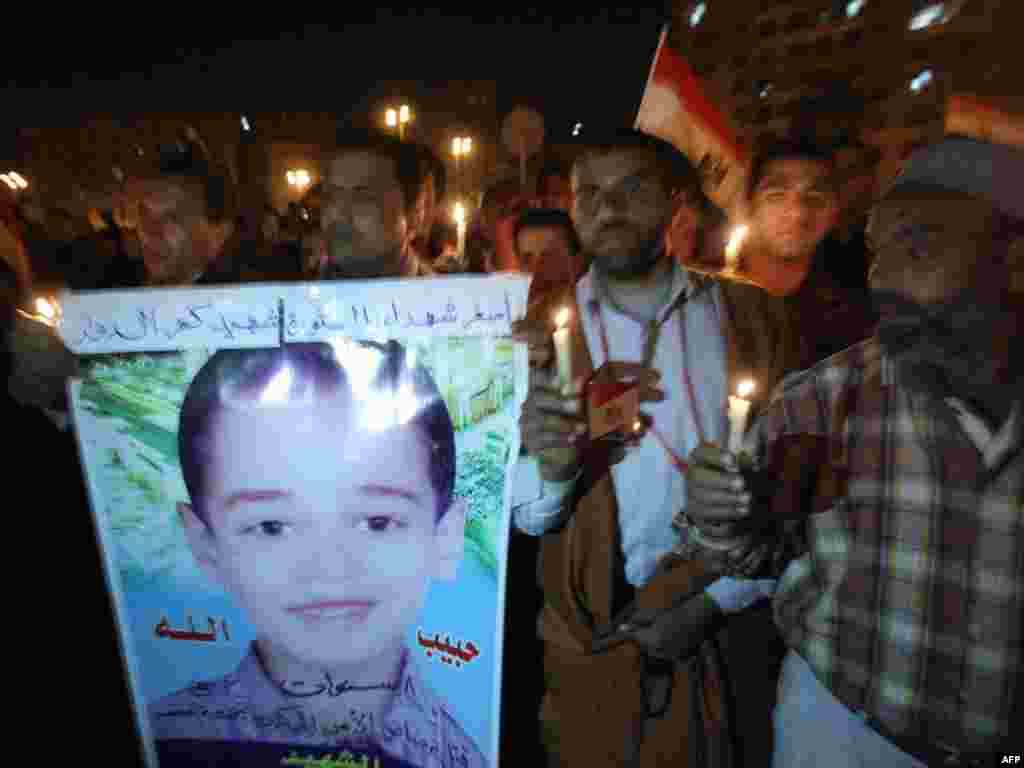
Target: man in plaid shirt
{"type": "Point", "coordinates": [905, 617]}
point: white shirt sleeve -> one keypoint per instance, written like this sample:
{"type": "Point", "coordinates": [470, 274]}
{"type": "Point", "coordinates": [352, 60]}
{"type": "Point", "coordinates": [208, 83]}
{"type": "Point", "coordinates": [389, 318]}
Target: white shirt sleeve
{"type": "Point", "coordinates": [539, 506]}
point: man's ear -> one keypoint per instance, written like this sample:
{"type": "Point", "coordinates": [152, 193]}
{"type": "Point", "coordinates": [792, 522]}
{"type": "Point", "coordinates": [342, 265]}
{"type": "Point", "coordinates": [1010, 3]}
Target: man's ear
{"type": "Point", "coordinates": [201, 541]}
{"type": "Point", "coordinates": [451, 540]}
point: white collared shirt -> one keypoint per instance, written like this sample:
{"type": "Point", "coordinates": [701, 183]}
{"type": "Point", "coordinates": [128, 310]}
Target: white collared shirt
{"type": "Point", "coordinates": [648, 487]}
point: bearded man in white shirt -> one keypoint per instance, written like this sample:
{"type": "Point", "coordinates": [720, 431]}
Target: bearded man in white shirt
{"type": "Point", "coordinates": [638, 642]}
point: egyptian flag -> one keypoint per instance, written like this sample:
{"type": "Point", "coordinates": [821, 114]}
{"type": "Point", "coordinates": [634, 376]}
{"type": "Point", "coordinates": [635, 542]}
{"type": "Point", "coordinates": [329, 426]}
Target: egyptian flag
{"type": "Point", "coordinates": [674, 108]}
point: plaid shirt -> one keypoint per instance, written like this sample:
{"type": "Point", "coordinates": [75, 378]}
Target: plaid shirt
{"type": "Point", "coordinates": [909, 603]}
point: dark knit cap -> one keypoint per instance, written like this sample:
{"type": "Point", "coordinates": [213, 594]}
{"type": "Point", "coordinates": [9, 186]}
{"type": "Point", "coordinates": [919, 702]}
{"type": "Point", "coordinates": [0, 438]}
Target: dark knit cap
{"type": "Point", "coordinates": [993, 172]}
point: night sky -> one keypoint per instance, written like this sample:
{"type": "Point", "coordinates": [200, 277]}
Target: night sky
{"type": "Point", "coordinates": [586, 67]}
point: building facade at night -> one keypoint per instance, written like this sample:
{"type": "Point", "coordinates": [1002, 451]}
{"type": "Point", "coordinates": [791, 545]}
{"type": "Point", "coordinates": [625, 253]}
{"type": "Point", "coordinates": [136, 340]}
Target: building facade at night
{"type": "Point", "coordinates": [875, 70]}
{"type": "Point", "coordinates": [75, 164]}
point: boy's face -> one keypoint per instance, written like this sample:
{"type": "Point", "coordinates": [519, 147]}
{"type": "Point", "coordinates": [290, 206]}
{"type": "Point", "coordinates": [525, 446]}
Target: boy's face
{"type": "Point", "coordinates": [323, 532]}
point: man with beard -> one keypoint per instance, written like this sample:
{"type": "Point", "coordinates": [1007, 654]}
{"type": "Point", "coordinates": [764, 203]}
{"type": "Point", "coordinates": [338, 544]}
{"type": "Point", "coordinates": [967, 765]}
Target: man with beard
{"type": "Point", "coordinates": [372, 190]}
{"type": "Point", "coordinates": [637, 641]}
{"type": "Point", "coordinates": [904, 617]}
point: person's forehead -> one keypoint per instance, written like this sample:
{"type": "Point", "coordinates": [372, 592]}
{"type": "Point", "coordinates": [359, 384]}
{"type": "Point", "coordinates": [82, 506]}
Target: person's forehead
{"type": "Point", "coordinates": [541, 238]}
{"type": "Point", "coordinates": [927, 205]}
{"type": "Point", "coordinates": [166, 192]}
{"type": "Point", "coordinates": [359, 166]}
{"type": "Point", "coordinates": [303, 430]}
{"type": "Point", "coordinates": [794, 172]}
{"type": "Point", "coordinates": [616, 162]}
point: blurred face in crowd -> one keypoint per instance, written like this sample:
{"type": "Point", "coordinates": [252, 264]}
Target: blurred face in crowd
{"type": "Point", "coordinates": [621, 207]}
{"type": "Point", "coordinates": [178, 240]}
{"type": "Point", "coordinates": [681, 237]}
{"type": "Point", "coordinates": [557, 193]}
{"type": "Point", "coordinates": [792, 208]}
{"type": "Point", "coordinates": [940, 278]}
{"type": "Point", "coordinates": [545, 253]}
{"type": "Point", "coordinates": [362, 215]}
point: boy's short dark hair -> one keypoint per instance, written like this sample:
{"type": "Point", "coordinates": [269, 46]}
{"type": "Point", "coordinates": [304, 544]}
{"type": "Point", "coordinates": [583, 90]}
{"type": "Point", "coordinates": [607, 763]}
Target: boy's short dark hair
{"type": "Point", "coordinates": [776, 149]}
{"type": "Point", "coordinates": [545, 218]}
{"type": "Point", "coordinates": [677, 171]}
{"type": "Point", "coordinates": [411, 166]}
{"type": "Point", "coordinates": [240, 376]}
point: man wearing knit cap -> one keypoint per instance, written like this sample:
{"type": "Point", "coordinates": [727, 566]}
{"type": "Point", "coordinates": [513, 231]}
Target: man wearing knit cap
{"type": "Point", "coordinates": [904, 618]}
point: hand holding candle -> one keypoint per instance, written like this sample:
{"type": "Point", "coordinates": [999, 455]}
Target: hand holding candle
{"type": "Point", "coordinates": [563, 349]}
{"type": "Point", "coordinates": [739, 409]}
{"type": "Point", "coordinates": [40, 363]}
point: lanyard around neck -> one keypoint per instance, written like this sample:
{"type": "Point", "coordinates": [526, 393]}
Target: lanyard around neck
{"type": "Point", "coordinates": [653, 330]}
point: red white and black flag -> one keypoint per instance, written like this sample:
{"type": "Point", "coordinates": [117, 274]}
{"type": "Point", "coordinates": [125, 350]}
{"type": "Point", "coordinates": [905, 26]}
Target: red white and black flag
{"type": "Point", "coordinates": [676, 109]}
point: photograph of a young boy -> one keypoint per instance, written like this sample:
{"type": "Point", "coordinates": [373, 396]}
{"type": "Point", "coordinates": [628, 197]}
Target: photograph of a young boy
{"type": "Point", "coordinates": [320, 480]}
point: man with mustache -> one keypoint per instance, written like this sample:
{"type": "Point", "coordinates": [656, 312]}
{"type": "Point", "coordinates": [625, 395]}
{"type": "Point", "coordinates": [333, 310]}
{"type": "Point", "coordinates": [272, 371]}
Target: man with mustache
{"type": "Point", "coordinates": [373, 191]}
{"type": "Point", "coordinates": [904, 617]}
{"type": "Point", "coordinates": [636, 641]}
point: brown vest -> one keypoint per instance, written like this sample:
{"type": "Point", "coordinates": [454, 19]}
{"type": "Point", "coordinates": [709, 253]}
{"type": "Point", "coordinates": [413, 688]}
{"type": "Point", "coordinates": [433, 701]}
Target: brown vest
{"type": "Point", "coordinates": [593, 708]}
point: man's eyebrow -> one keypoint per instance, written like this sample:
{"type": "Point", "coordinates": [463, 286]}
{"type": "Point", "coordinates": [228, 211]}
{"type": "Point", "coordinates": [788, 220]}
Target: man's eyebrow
{"type": "Point", "coordinates": [378, 489]}
{"type": "Point", "coordinates": [250, 496]}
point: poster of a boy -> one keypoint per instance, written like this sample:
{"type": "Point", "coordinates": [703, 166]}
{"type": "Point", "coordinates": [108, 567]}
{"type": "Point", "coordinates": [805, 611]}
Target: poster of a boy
{"type": "Point", "coordinates": [320, 480]}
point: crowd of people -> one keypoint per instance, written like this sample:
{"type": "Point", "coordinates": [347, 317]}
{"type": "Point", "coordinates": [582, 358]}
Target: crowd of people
{"type": "Point", "coordinates": [845, 591]}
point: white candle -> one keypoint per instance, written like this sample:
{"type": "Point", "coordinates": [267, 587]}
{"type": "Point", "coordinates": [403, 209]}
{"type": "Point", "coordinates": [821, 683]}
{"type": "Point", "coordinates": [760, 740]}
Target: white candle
{"type": "Point", "coordinates": [732, 248]}
{"type": "Point", "coordinates": [459, 214]}
{"type": "Point", "coordinates": [563, 349]}
{"type": "Point", "coordinates": [739, 409]}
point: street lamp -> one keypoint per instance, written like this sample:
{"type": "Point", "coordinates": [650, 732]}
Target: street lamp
{"type": "Point", "coordinates": [299, 179]}
{"type": "Point", "coordinates": [15, 181]}
{"type": "Point", "coordinates": [461, 147]}
{"type": "Point", "coordinates": [397, 118]}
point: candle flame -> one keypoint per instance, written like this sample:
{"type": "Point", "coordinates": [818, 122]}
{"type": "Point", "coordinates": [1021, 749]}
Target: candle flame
{"type": "Point", "coordinates": [638, 425]}
{"type": "Point", "coordinates": [562, 318]}
{"type": "Point", "coordinates": [745, 388]}
{"type": "Point", "coordinates": [739, 234]}
{"type": "Point", "coordinates": [46, 309]}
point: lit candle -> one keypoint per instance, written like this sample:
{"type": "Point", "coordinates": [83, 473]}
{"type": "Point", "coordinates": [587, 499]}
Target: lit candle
{"type": "Point", "coordinates": [563, 349]}
{"type": "Point", "coordinates": [44, 308]}
{"type": "Point", "coordinates": [732, 248]}
{"type": "Point", "coordinates": [739, 408]}
{"type": "Point", "coordinates": [459, 215]}
{"type": "Point", "coordinates": [46, 312]}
